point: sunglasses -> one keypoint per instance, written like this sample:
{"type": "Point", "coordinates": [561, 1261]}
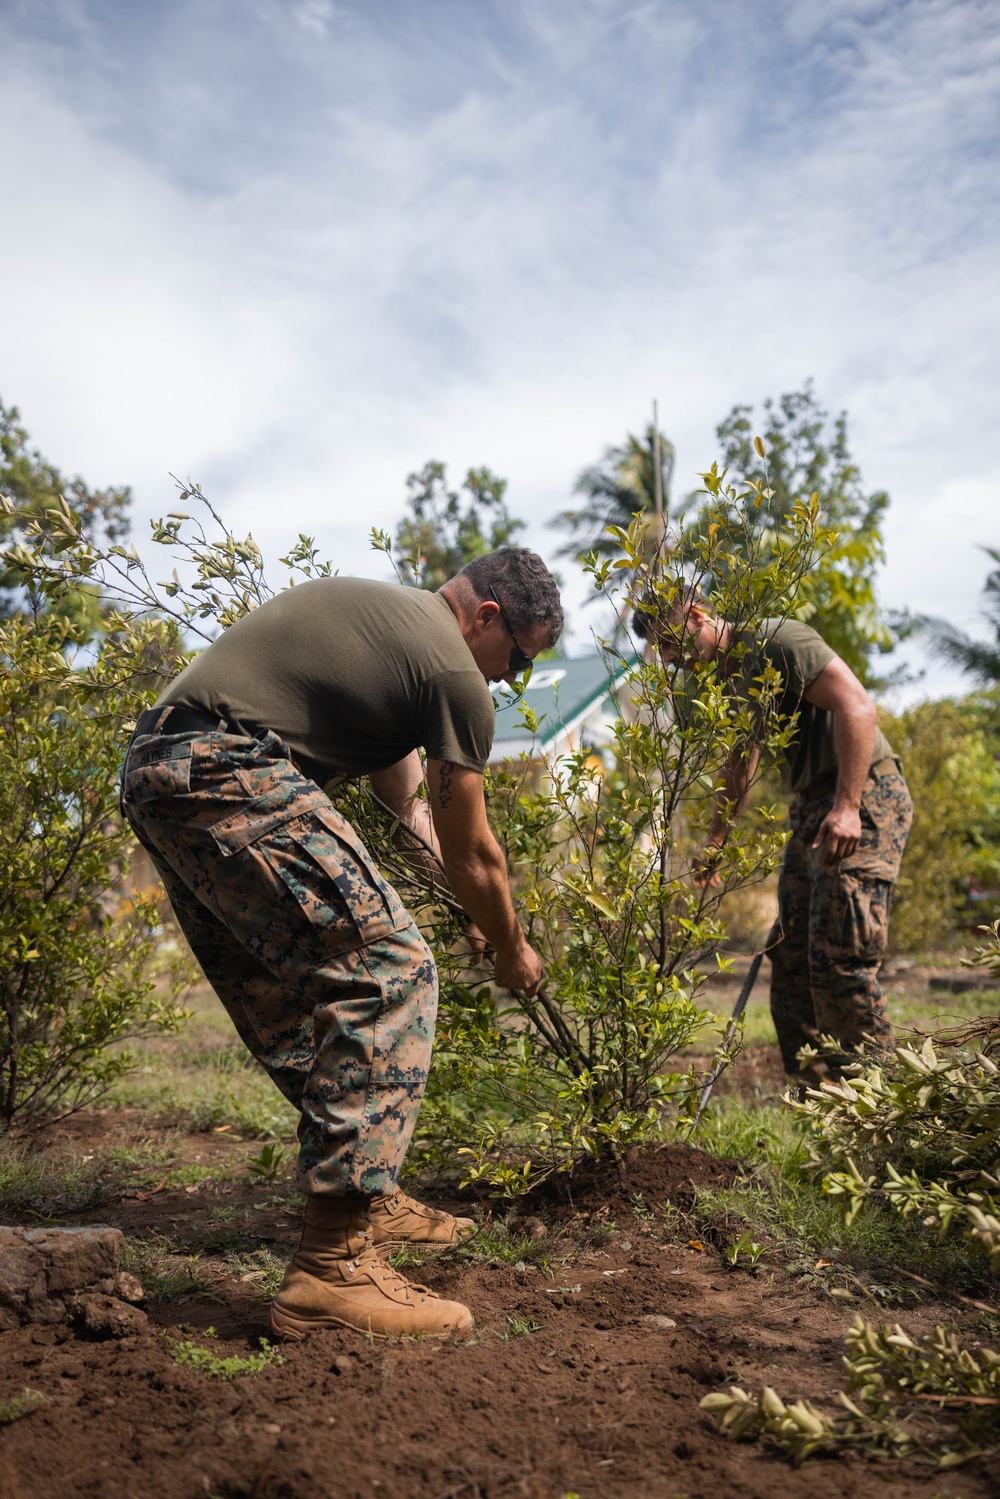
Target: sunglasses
{"type": "Point", "coordinates": [519, 658]}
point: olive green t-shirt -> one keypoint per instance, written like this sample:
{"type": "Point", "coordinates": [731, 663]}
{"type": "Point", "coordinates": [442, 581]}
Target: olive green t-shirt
{"type": "Point", "coordinates": [352, 675]}
{"type": "Point", "coordinates": [799, 654]}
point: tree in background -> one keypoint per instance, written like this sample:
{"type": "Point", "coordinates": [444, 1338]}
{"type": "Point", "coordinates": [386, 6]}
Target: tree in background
{"type": "Point", "coordinates": [32, 485]}
{"type": "Point", "coordinates": [615, 490]}
{"type": "Point", "coordinates": [980, 659]}
{"type": "Point", "coordinates": [442, 531]}
{"type": "Point", "coordinates": [807, 454]}
{"type": "Point", "coordinates": [952, 858]}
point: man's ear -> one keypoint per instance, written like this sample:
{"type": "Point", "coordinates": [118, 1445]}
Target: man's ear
{"type": "Point", "coordinates": [487, 609]}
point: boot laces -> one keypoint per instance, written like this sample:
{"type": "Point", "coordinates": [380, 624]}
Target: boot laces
{"type": "Point", "coordinates": [370, 1260]}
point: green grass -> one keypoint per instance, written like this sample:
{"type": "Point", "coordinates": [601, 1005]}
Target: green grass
{"type": "Point", "coordinates": [261, 1270]}
{"type": "Point", "coordinates": [492, 1244]}
{"type": "Point", "coordinates": [204, 1078]}
{"type": "Point", "coordinates": [519, 1327]}
{"type": "Point", "coordinates": [777, 1199]}
{"type": "Point", "coordinates": [163, 1270]}
{"type": "Point", "coordinates": [206, 1361]}
{"type": "Point", "coordinates": [40, 1179]}
{"type": "Point", "coordinates": [21, 1405]}
{"type": "Point", "coordinates": [936, 1011]}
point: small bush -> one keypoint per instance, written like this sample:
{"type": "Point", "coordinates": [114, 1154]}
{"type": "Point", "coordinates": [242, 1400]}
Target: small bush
{"type": "Point", "coordinates": [920, 1135]}
{"type": "Point", "coordinates": [76, 952]}
{"type": "Point", "coordinates": [928, 1398]}
{"type": "Point", "coordinates": [951, 766]}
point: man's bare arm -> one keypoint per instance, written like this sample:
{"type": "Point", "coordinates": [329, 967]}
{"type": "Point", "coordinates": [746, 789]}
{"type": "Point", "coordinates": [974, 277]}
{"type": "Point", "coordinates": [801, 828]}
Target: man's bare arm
{"type": "Point", "coordinates": [838, 690]}
{"type": "Point", "coordinates": [477, 870]}
{"type": "Point", "coordinates": [399, 786]}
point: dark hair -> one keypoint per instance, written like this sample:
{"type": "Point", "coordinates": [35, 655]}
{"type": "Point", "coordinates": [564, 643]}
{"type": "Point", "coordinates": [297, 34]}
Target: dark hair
{"type": "Point", "coordinates": [653, 612]}
{"type": "Point", "coordinates": [526, 588]}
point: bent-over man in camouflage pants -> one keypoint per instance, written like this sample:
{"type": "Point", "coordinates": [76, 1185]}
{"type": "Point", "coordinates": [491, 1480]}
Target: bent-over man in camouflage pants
{"type": "Point", "coordinates": [850, 816]}
{"type": "Point", "coordinates": [326, 978]}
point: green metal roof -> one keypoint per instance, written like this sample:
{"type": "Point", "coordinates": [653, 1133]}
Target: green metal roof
{"type": "Point", "coordinates": [563, 693]}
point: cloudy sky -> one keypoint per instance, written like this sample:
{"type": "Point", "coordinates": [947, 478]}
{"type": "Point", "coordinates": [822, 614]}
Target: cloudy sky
{"type": "Point", "coordinates": [295, 248]}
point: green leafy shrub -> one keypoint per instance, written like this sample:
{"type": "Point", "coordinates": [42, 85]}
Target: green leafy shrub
{"type": "Point", "coordinates": [920, 1134]}
{"type": "Point", "coordinates": [953, 771]}
{"type": "Point", "coordinates": [928, 1398]}
{"type": "Point", "coordinates": [602, 853]}
{"type": "Point", "coordinates": [77, 956]}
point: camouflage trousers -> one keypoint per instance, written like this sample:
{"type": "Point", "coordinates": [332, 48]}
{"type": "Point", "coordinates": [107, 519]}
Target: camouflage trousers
{"type": "Point", "coordinates": [325, 976]}
{"type": "Point", "coordinates": [833, 925]}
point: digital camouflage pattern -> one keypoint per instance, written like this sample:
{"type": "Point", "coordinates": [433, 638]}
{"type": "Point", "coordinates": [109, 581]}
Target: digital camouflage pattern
{"type": "Point", "coordinates": [325, 976]}
{"type": "Point", "coordinates": [833, 924]}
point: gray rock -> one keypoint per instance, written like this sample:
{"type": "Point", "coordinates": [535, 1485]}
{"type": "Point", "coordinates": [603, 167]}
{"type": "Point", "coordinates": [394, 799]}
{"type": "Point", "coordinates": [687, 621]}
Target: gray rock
{"type": "Point", "coordinates": [44, 1270]}
{"type": "Point", "coordinates": [659, 1322]}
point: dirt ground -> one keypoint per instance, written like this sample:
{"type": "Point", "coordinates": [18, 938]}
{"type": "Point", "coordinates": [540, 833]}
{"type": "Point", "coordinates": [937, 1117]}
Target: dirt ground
{"type": "Point", "coordinates": [566, 1391]}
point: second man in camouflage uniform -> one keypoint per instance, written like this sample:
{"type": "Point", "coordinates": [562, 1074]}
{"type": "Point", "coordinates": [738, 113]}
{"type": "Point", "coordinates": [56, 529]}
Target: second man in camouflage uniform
{"type": "Point", "coordinates": [850, 816]}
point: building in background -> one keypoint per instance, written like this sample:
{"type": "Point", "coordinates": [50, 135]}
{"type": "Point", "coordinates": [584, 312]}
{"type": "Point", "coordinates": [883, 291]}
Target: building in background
{"type": "Point", "coordinates": [573, 701]}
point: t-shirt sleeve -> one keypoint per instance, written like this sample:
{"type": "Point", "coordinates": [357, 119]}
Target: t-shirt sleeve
{"type": "Point", "coordinates": [458, 719]}
{"type": "Point", "coordinates": [799, 653]}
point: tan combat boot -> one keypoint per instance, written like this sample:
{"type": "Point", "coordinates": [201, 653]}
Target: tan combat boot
{"type": "Point", "coordinates": [398, 1221]}
{"type": "Point", "coordinates": [336, 1279]}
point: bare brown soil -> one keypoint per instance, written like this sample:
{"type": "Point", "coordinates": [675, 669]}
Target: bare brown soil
{"type": "Point", "coordinates": [596, 1402]}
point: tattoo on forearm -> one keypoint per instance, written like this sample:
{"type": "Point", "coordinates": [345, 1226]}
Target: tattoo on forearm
{"type": "Point", "coordinates": [444, 782]}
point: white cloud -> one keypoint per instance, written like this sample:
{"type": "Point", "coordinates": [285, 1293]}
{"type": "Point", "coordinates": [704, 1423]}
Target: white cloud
{"type": "Point", "coordinates": [300, 260]}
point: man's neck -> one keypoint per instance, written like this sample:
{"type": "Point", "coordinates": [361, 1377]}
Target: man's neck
{"type": "Point", "coordinates": [453, 598]}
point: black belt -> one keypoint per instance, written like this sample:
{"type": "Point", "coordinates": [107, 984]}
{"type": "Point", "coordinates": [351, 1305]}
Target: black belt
{"type": "Point", "coordinates": [177, 721]}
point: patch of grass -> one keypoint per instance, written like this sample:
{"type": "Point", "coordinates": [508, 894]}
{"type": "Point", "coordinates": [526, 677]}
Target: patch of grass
{"type": "Point", "coordinates": [199, 1091]}
{"type": "Point", "coordinates": [935, 1011]}
{"type": "Point", "coordinates": [261, 1270]}
{"type": "Point", "coordinates": [597, 1232]}
{"type": "Point", "coordinates": [910, 1003]}
{"type": "Point", "coordinates": [21, 1405]}
{"type": "Point", "coordinates": [519, 1327]}
{"type": "Point", "coordinates": [163, 1271]}
{"type": "Point", "coordinates": [491, 1244]}
{"type": "Point", "coordinates": [495, 1244]}
{"type": "Point", "coordinates": [191, 1355]}
{"type": "Point", "coordinates": [34, 1179]}
{"type": "Point", "coordinates": [204, 1077]}
{"type": "Point", "coordinates": [776, 1199]}
{"type": "Point", "coordinates": [148, 1163]}
{"type": "Point", "coordinates": [37, 1178]}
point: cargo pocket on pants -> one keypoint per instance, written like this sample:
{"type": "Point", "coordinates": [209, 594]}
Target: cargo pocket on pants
{"type": "Point", "coordinates": [866, 920]}
{"type": "Point", "coordinates": [316, 854]}
{"type": "Point", "coordinates": [341, 873]}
